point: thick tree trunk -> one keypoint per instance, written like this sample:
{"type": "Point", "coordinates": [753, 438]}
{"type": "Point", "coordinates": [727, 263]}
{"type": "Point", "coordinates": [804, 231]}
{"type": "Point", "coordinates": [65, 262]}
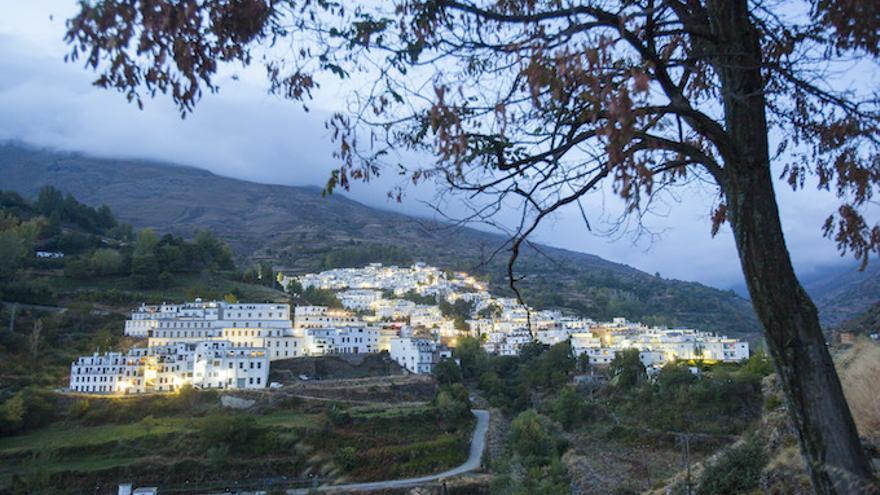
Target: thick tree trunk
{"type": "Point", "coordinates": [829, 441]}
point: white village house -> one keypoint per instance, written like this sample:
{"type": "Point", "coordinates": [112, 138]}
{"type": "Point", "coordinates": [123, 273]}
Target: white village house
{"type": "Point", "coordinates": [206, 364]}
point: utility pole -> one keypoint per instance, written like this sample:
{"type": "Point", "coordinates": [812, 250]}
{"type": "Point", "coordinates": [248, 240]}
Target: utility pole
{"type": "Point", "coordinates": [12, 317]}
{"type": "Point", "coordinates": [687, 462]}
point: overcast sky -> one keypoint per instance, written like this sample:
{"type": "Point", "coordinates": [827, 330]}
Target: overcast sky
{"type": "Point", "coordinates": [244, 133]}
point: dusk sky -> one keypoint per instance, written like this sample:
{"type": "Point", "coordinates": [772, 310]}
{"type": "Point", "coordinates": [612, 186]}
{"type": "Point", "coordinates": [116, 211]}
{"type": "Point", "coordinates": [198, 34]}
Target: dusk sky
{"type": "Point", "coordinates": [244, 133]}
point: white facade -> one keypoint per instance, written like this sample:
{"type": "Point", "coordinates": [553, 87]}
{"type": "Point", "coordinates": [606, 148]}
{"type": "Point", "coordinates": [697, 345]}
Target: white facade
{"type": "Point", "coordinates": [657, 346]}
{"type": "Point", "coordinates": [418, 355]}
{"type": "Point", "coordinates": [343, 340]}
{"type": "Point", "coordinates": [245, 325]}
{"type": "Point", "coordinates": [207, 364]}
{"type": "Point", "coordinates": [323, 317]}
{"type": "Point", "coordinates": [359, 299]}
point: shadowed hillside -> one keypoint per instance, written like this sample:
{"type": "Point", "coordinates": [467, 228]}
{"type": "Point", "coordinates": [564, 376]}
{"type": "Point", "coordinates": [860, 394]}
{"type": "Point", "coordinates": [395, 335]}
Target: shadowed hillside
{"type": "Point", "coordinates": [300, 230]}
{"type": "Point", "coordinates": [842, 293]}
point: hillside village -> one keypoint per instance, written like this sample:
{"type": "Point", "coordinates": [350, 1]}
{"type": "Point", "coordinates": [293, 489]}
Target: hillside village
{"type": "Point", "coordinates": [416, 314]}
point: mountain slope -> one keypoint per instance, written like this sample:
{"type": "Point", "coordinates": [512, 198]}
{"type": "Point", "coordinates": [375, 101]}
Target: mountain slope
{"type": "Point", "coordinates": [865, 323]}
{"type": "Point", "coordinates": [300, 230]}
{"type": "Point", "coordinates": [842, 293]}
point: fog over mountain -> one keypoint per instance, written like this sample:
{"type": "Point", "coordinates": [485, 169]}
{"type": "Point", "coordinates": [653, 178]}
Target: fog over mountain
{"type": "Point", "coordinates": [243, 133]}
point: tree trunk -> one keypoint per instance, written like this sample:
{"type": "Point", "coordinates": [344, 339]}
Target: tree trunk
{"type": "Point", "coordinates": [829, 441]}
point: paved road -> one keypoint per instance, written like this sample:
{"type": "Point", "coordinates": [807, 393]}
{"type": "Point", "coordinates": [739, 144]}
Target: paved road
{"type": "Point", "coordinates": [478, 444]}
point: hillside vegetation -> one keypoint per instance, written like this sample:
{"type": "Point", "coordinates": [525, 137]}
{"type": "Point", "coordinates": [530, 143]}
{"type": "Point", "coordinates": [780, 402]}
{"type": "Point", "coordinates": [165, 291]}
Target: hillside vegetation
{"type": "Point", "coordinates": [300, 230]}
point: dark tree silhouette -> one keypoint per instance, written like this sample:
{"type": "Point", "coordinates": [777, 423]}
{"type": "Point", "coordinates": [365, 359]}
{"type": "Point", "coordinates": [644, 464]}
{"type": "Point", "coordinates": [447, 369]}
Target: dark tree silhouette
{"type": "Point", "coordinates": [539, 103]}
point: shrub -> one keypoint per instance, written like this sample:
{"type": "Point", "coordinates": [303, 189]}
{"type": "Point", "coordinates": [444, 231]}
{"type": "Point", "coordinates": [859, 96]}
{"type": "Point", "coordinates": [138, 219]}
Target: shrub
{"type": "Point", "coordinates": [12, 415]}
{"type": "Point", "coordinates": [28, 409]}
{"type": "Point", "coordinates": [447, 372]}
{"type": "Point", "coordinates": [569, 409]}
{"type": "Point", "coordinates": [773, 402]}
{"type": "Point", "coordinates": [338, 416]}
{"type": "Point", "coordinates": [674, 376]}
{"type": "Point", "coordinates": [627, 369]}
{"type": "Point", "coordinates": [238, 431]}
{"type": "Point", "coordinates": [530, 435]}
{"type": "Point", "coordinates": [737, 470]}
{"type": "Point", "coordinates": [449, 407]}
{"type": "Point", "coordinates": [345, 458]}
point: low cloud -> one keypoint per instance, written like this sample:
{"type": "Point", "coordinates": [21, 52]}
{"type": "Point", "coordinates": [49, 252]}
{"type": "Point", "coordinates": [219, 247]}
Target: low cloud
{"type": "Point", "coordinates": [243, 133]}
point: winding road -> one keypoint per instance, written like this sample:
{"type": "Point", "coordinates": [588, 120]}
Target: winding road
{"type": "Point", "coordinates": [478, 444]}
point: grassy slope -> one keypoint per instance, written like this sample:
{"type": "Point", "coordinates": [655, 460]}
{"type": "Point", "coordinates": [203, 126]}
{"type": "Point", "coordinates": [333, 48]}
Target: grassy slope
{"type": "Point", "coordinates": [393, 442]}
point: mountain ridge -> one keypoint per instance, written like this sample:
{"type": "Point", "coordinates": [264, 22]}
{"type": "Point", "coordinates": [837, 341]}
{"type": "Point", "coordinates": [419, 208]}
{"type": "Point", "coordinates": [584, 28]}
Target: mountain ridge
{"type": "Point", "coordinates": [300, 230]}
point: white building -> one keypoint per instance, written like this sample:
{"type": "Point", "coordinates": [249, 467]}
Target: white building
{"type": "Point", "coordinates": [207, 364]}
{"type": "Point", "coordinates": [246, 325]}
{"type": "Point", "coordinates": [342, 340]}
{"type": "Point", "coordinates": [201, 317]}
{"type": "Point", "coordinates": [323, 317]}
{"type": "Point", "coordinates": [359, 299]}
{"type": "Point", "coordinates": [657, 346]}
{"type": "Point", "coordinates": [418, 355]}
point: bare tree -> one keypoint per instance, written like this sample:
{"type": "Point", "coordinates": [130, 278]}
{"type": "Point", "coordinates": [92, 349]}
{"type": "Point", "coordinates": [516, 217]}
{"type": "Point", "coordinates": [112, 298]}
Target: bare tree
{"type": "Point", "coordinates": [541, 103]}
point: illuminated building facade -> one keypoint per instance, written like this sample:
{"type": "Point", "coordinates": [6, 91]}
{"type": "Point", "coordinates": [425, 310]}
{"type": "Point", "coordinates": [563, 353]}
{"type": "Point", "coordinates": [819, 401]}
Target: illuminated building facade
{"type": "Point", "coordinates": [212, 364]}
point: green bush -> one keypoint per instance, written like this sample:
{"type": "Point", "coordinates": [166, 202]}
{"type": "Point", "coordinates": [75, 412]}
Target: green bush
{"type": "Point", "coordinates": [338, 416]}
{"type": "Point", "coordinates": [28, 409]}
{"type": "Point", "coordinates": [451, 407]}
{"type": "Point", "coordinates": [530, 435]}
{"type": "Point", "coordinates": [570, 409]}
{"type": "Point", "coordinates": [737, 470]}
{"type": "Point", "coordinates": [773, 402]}
{"type": "Point", "coordinates": [239, 433]}
{"type": "Point", "coordinates": [345, 458]}
{"type": "Point", "coordinates": [627, 369]}
{"type": "Point", "coordinates": [447, 372]}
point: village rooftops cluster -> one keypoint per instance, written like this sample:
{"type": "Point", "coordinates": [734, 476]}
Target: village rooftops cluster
{"type": "Point", "coordinates": [377, 292]}
{"type": "Point", "coordinates": [404, 311]}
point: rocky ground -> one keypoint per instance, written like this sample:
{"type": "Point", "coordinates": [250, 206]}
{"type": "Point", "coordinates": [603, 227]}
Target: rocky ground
{"type": "Point", "coordinates": [286, 371]}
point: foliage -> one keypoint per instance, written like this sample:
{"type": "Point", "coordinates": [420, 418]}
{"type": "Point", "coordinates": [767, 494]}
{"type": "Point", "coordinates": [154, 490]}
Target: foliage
{"type": "Point", "coordinates": [239, 433]}
{"type": "Point", "coordinates": [447, 372]}
{"type": "Point", "coordinates": [508, 381]}
{"type": "Point", "coordinates": [13, 251]}
{"type": "Point", "coordinates": [570, 409]}
{"type": "Point", "coordinates": [736, 471]}
{"type": "Point", "coordinates": [551, 367]}
{"type": "Point", "coordinates": [412, 295]}
{"type": "Point", "coordinates": [538, 447]}
{"type": "Point", "coordinates": [759, 364]}
{"type": "Point", "coordinates": [530, 435]}
{"type": "Point", "coordinates": [470, 353]}
{"type": "Point", "coordinates": [52, 204]}
{"type": "Point", "coordinates": [314, 296]}
{"type": "Point", "coordinates": [144, 263]}
{"type": "Point", "coordinates": [627, 369]}
{"type": "Point", "coordinates": [26, 410]}
{"type": "Point", "coordinates": [492, 310]}
{"type": "Point", "coordinates": [720, 401]}
{"type": "Point", "coordinates": [461, 309]}
{"type": "Point", "coordinates": [361, 254]}
{"type": "Point", "coordinates": [452, 403]}
{"type": "Point", "coordinates": [345, 458]}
